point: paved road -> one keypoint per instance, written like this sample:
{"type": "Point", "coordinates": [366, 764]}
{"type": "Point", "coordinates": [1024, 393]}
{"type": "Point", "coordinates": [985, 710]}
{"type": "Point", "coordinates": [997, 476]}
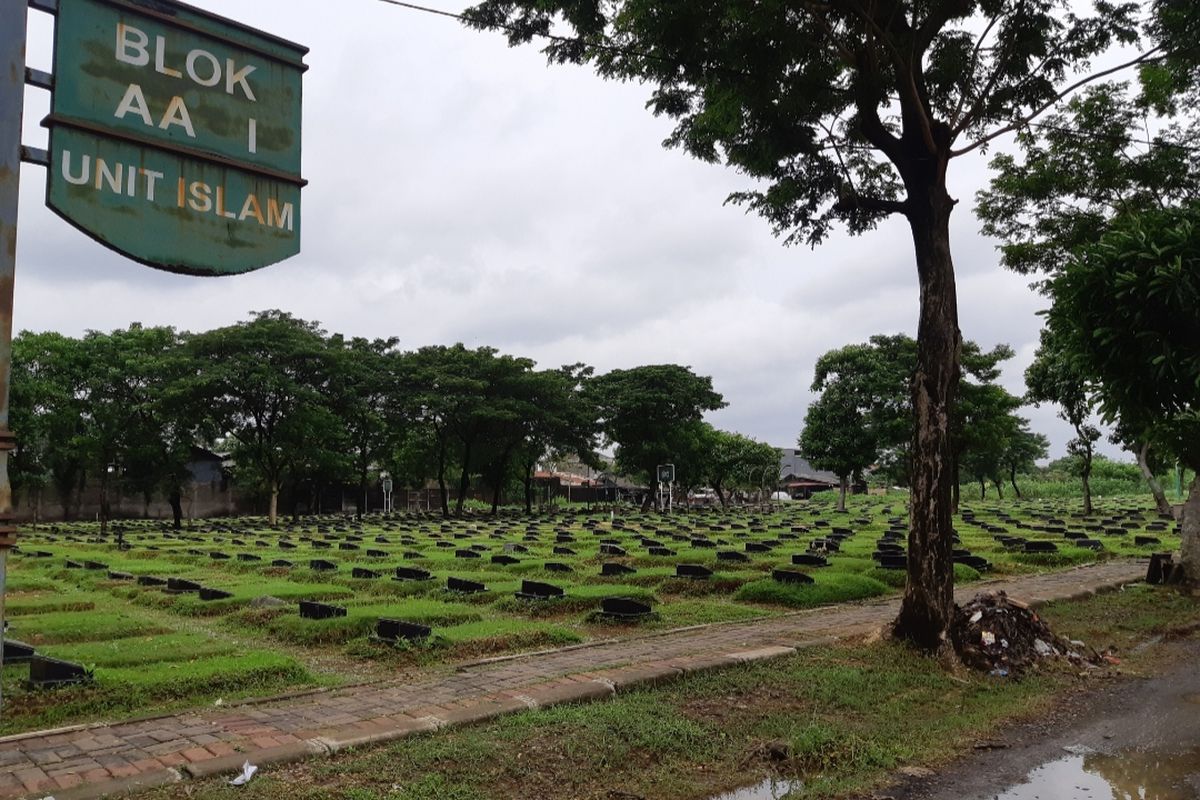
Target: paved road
{"type": "Point", "coordinates": [95, 760]}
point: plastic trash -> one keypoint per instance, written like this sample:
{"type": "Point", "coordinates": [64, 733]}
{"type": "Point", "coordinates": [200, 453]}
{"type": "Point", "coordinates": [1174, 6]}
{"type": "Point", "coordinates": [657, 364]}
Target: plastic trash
{"type": "Point", "coordinates": [247, 773]}
{"type": "Point", "coordinates": [999, 672]}
{"type": "Point", "coordinates": [988, 638]}
{"type": "Point", "coordinates": [1042, 649]}
{"type": "Point", "coordinates": [978, 615]}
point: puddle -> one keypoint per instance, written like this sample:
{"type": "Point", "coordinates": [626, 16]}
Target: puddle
{"type": "Point", "coordinates": [1129, 776]}
{"type": "Point", "coordinates": [770, 789]}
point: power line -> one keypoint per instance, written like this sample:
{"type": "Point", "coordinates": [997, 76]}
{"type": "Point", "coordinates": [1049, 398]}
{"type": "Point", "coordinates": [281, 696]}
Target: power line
{"type": "Point", "coordinates": [576, 40]}
{"type": "Point", "coordinates": [612, 48]}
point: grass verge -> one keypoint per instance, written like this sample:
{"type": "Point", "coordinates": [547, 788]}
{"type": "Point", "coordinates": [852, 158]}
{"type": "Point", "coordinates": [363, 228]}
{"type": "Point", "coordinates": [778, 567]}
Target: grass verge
{"type": "Point", "coordinates": [839, 719]}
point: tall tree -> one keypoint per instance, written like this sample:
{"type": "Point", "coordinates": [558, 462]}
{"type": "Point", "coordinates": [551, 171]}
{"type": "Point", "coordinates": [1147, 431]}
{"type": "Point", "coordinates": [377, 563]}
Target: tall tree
{"type": "Point", "coordinates": [836, 437]}
{"type": "Point", "coordinates": [1124, 312]}
{"type": "Point", "coordinates": [984, 416]}
{"type": "Point", "coordinates": [1022, 453]}
{"type": "Point", "coordinates": [365, 395]}
{"type": "Point", "coordinates": [649, 412]}
{"type": "Point", "coordinates": [263, 384]}
{"type": "Point", "coordinates": [1149, 461]}
{"type": "Point", "coordinates": [848, 111]}
{"type": "Point", "coordinates": [47, 417]}
{"type": "Point", "coordinates": [730, 460]}
{"type": "Point", "coordinates": [1055, 377]}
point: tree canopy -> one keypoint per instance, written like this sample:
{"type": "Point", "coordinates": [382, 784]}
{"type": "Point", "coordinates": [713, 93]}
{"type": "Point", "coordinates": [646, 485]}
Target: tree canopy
{"type": "Point", "coordinates": [1124, 314]}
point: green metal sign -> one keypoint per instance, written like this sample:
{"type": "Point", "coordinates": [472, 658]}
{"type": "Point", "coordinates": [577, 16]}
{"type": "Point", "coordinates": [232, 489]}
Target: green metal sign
{"type": "Point", "coordinates": [175, 135]}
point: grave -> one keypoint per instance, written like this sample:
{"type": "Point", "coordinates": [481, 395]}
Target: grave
{"type": "Point", "coordinates": [465, 586]}
{"type": "Point", "coordinates": [52, 673]}
{"type": "Point", "coordinates": [533, 590]}
{"type": "Point", "coordinates": [612, 568]}
{"type": "Point", "coordinates": [177, 585]}
{"type": "Point", "coordinates": [17, 652]}
{"type": "Point", "coordinates": [320, 565]}
{"type": "Point", "coordinates": [363, 573]}
{"type": "Point", "coordinates": [692, 571]}
{"type": "Point", "coordinates": [622, 608]}
{"type": "Point", "coordinates": [393, 630]}
{"type": "Point", "coordinates": [791, 576]}
{"type": "Point", "coordinates": [207, 594]}
{"type": "Point", "coordinates": [311, 609]}
{"type": "Point", "coordinates": [412, 574]}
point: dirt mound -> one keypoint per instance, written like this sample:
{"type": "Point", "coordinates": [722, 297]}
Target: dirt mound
{"type": "Point", "coordinates": [994, 633]}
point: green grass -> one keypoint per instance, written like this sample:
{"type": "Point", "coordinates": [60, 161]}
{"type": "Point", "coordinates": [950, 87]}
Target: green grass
{"type": "Point", "coordinates": [829, 588]}
{"type": "Point", "coordinates": [843, 717]}
{"type": "Point", "coordinates": [151, 687]}
{"type": "Point", "coordinates": [86, 616]}
{"type": "Point", "coordinates": [92, 626]}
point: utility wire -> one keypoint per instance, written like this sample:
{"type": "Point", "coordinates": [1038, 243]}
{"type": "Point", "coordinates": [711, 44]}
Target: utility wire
{"type": "Point", "coordinates": [612, 48]}
{"type": "Point", "coordinates": [606, 47]}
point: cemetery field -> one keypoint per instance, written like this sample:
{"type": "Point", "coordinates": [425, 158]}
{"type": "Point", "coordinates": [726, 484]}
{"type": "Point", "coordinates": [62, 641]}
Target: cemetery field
{"type": "Point", "coordinates": [231, 609]}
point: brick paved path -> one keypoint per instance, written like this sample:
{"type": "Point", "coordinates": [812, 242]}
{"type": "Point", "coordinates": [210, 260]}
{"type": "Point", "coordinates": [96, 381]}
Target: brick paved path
{"type": "Point", "coordinates": [95, 760]}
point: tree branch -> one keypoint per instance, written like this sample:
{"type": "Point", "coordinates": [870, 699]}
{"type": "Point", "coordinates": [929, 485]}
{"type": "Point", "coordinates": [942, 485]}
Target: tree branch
{"type": "Point", "coordinates": [974, 63]}
{"type": "Point", "coordinates": [857, 202]}
{"type": "Point", "coordinates": [1025, 120]}
{"type": "Point", "coordinates": [905, 71]}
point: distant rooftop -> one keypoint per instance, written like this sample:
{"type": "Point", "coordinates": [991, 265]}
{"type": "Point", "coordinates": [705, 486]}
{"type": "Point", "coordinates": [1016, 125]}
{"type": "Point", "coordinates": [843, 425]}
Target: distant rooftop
{"type": "Point", "coordinates": [793, 467]}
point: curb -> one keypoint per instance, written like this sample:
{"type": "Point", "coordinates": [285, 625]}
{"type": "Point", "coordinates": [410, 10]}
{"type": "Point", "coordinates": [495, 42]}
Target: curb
{"type": "Point", "coordinates": [284, 754]}
{"type": "Point", "coordinates": [118, 786]}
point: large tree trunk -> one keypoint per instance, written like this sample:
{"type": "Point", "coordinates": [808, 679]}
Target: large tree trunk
{"type": "Point", "coordinates": [1087, 485]}
{"type": "Point", "coordinates": [999, 487]}
{"type": "Point", "coordinates": [175, 498]}
{"type": "Point", "coordinates": [1012, 477]}
{"type": "Point", "coordinates": [361, 500]}
{"type": "Point", "coordinates": [1189, 545]}
{"type": "Point", "coordinates": [843, 484]}
{"type": "Point", "coordinates": [982, 492]}
{"type": "Point", "coordinates": [928, 605]}
{"type": "Point", "coordinates": [441, 479]}
{"type": "Point", "coordinates": [464, 481]}
{"type": "Point", "coordinates": [1160, 497]}
{"type": "Point", "coordinates": [721, 495]}
{"type": "Point", "coordinates": [528, 481]}
{"type": "Point", "coordinates": [273, 508]}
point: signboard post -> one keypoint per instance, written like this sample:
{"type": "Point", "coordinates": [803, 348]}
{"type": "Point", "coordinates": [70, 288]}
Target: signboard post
{"type": "Point", "coordinates": [175, 135]}
{"type": "Point", "coordinates": [12, 101]}
{"type": "Point", "coordinates": [666, 477]}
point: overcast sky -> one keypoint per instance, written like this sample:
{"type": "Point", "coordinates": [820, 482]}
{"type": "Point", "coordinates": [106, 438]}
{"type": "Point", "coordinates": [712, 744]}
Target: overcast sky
{"type": "Point", "coordinates": [464, 191]}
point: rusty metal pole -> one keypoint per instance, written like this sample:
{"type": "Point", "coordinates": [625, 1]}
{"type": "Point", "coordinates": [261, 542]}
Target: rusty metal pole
{"type": "Point", "coordinates": [13, 16]}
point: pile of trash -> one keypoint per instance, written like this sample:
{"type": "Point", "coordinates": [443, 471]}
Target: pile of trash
{"type": "Point", "coordinates": [999, 635]}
